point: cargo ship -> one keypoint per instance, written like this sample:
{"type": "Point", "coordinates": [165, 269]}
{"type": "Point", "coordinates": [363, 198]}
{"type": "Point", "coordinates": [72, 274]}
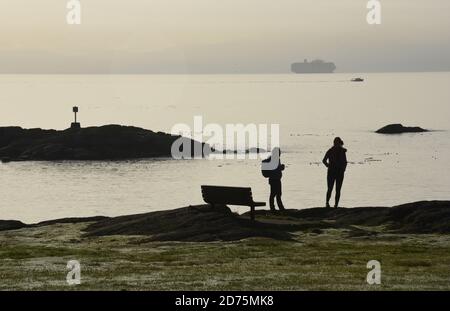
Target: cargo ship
{"type": "Point", "coordinates": [316, 66]}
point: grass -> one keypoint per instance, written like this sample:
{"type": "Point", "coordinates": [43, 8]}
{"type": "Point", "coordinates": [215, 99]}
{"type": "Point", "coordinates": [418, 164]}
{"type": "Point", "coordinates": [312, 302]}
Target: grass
{"type": "Point", "coordinates": [36, 258]}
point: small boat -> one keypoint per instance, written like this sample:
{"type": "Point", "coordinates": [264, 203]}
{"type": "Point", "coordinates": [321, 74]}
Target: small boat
{"type": "Point", "coordinates": [357, 80]}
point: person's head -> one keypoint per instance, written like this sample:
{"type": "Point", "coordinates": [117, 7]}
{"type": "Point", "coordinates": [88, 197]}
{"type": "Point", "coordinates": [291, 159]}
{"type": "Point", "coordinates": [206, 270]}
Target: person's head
{"type": "Point", "coordinates": [338, 142]}
{"type": "Point", "coordinates": [276, 152]}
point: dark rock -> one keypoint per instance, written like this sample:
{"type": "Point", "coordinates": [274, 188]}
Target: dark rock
{"type": "Point", "coordinates": [201, 223]}
{"type": "Point", "coordinates": [398, 129]}
{"type": "Point", "coordinates": [256, 150]}
{"type": "Point", "coordinates": [418, 217]}
{"type": "Point", "coordinates": [11, 225]}
{"type": "Point", "coordinates": [421, 217]}
{"type": "Point", "coordinates": [70, 220]}
{"type": "Point", "coordinates": [109, 142]}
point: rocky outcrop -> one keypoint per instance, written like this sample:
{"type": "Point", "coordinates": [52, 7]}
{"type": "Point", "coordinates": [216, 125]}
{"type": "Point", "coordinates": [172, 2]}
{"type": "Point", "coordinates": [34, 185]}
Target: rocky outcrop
{"type": "Point", "coordinates": [399, 128]}
{"type": "Point", "coordinates": [203, 223]}
{"type": "Point", "coordinates": [418, 217]}
{"type": "Point", "coordinates": [109, 142]}
{"type": "Point", "coordinates": [11, 225]}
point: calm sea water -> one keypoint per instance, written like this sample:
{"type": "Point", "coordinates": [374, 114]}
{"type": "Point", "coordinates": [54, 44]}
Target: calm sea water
{"type": "Point", "coordinates": [311, 110]}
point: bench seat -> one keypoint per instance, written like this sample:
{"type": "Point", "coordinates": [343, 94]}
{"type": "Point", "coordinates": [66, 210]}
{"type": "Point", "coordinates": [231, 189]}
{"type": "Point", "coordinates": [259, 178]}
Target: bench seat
{"type": "Point", "coordinates": [232, 196]}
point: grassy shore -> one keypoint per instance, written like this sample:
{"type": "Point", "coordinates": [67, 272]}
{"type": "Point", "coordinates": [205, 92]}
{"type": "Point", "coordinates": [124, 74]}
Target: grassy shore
{"type": "Point", "coordinates": [35, 258]}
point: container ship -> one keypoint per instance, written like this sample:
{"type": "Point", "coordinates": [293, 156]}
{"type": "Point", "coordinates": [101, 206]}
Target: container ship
{"type": "Point", "coordinates": [316, 66]}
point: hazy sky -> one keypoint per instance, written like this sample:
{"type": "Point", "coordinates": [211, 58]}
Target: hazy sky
{"type": "Point", "coordinates": [222, 35]}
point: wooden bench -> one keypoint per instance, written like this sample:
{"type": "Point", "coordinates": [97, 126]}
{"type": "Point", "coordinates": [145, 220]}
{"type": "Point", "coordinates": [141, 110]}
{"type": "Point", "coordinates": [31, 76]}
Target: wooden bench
{"type": "Point", "coordinates": [231, 195]}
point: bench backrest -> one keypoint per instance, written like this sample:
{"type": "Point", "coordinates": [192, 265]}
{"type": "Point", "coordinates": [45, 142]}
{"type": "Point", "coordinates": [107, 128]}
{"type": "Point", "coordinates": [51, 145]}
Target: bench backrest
{"type": "Point", "coordinates": [227, 195]}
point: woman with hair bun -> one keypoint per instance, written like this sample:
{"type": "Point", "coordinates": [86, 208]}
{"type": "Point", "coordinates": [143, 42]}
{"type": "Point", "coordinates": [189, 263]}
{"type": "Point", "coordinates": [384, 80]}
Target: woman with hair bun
{"type": "Point", "coordinates": [336, 161]}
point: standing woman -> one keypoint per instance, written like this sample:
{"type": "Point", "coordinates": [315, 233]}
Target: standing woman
{"type": "Point", "coordinates": [273, 169]}
{"type": "Point", "coordinates": [336, 161]}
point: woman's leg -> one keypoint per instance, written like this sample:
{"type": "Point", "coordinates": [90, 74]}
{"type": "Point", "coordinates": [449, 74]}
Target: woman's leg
{"type": "Point", "coordinates": [339, 182]}
{"type": "Point", "coordinates": [278, 196]}
{"type": "Point", "coordinates": [272, 197]}
{"type": "Point", "coordinates": [279, 202]}
{"type": "Point", "coordinates": [330, 183]}
{"type": "Point", "coordinates": [276, 190]}
{"type": "Point", "coordinates": [272, 201]}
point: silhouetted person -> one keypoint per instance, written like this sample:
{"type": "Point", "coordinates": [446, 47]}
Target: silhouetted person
{"type": "Point", "coordinates": [275, 179]}
{"type": "Point", "coordinates": [336, 161]}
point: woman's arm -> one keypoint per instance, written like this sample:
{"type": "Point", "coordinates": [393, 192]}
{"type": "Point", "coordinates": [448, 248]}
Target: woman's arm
{"type": "Point", "coordinates": [345, 160]}
{"type": "Point", "coordinates": [325, 160]}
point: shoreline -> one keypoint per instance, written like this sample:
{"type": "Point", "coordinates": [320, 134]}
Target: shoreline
{"type": "Point", "coordinates": [416, 217]}
{"type": "Point", "coordinates": [195, 248]}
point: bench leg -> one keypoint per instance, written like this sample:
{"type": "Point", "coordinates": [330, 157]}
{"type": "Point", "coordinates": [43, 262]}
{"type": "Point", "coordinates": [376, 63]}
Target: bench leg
{"type": "Point", "coordinates": [252, 212]}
